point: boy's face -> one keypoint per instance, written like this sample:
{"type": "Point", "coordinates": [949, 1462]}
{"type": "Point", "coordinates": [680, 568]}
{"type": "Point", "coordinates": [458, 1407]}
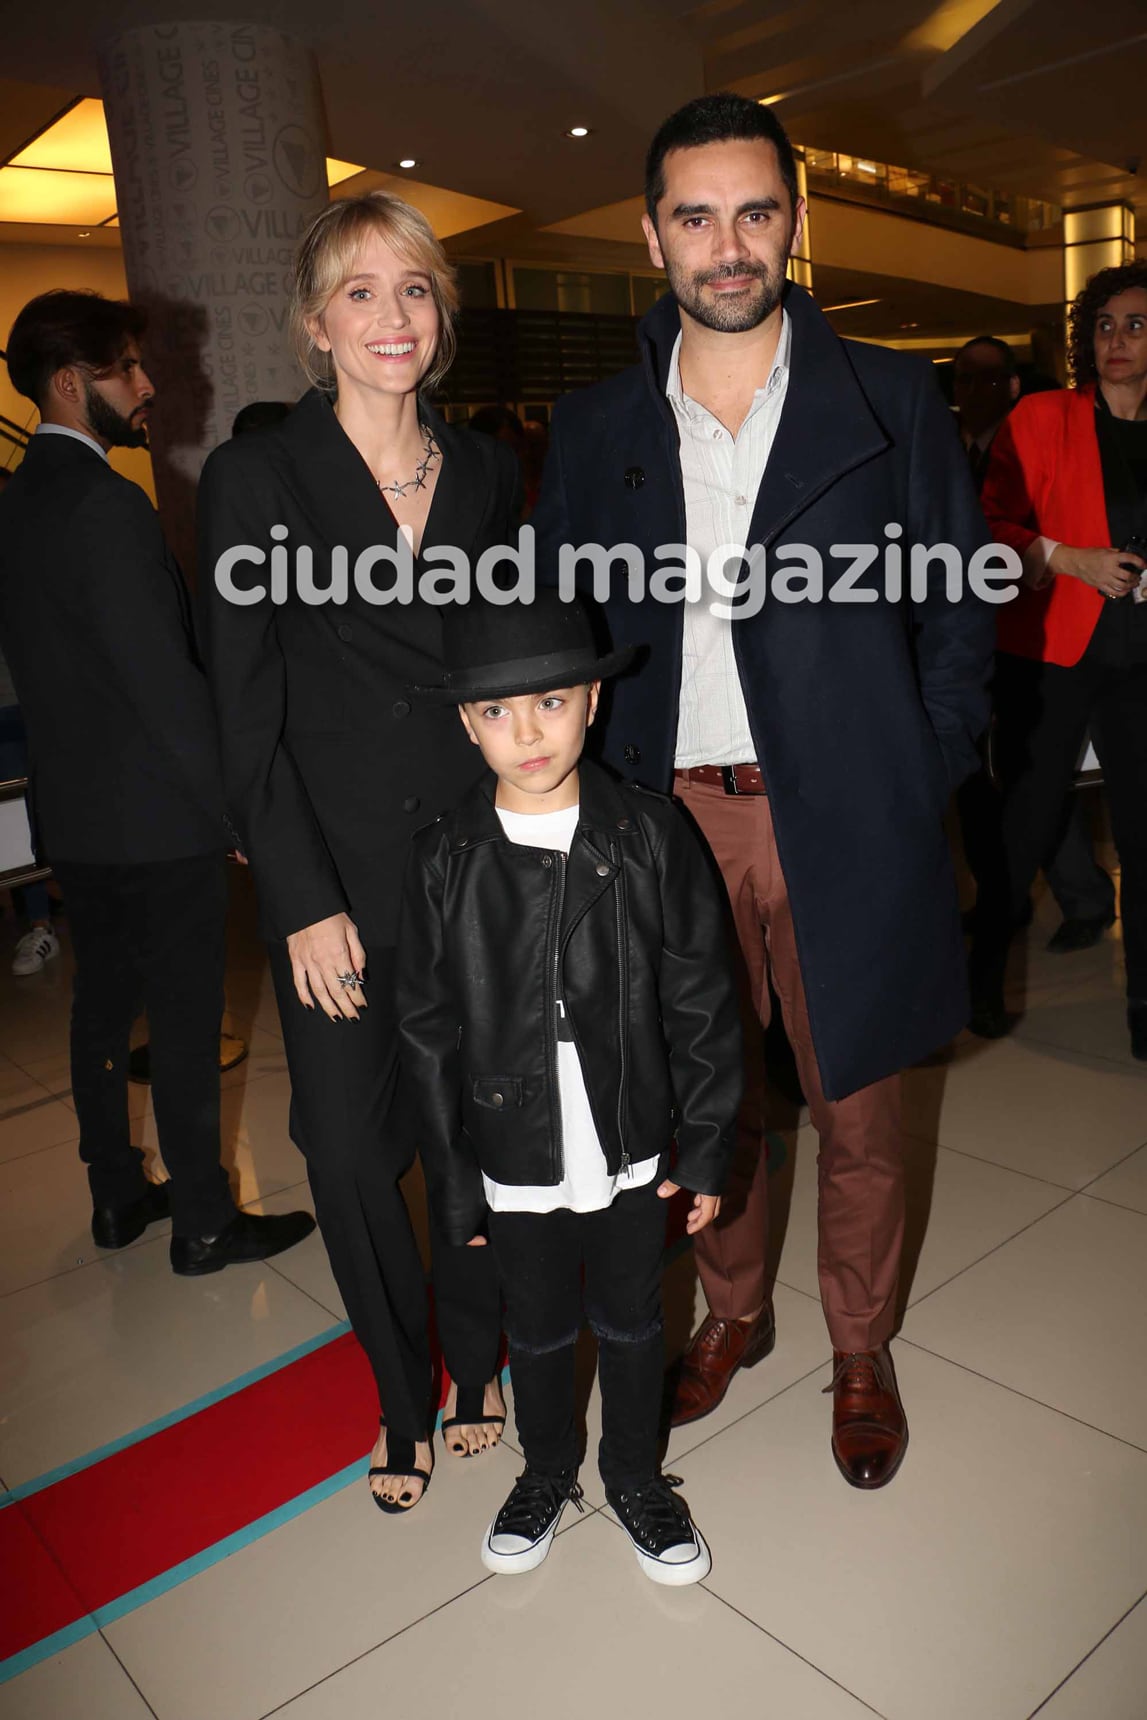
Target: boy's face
{"type": "Point", "coordinates": [532, 743]}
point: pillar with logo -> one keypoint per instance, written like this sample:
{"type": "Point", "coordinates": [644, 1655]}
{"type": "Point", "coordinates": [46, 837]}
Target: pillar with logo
{"type": "Point", "coordinates": [218, 147]}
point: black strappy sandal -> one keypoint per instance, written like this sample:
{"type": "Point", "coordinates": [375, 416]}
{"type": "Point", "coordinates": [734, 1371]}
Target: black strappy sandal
{"type": "Point", "coordinates": [468, 1413]}
{"type": "Point", "coordinates": [399, 1461]}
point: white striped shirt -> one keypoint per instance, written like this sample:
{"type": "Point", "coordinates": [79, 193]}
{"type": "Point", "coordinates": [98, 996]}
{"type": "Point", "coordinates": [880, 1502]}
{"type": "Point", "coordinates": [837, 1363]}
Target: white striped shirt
{"type": "Point", "coordinates": [721, 475]}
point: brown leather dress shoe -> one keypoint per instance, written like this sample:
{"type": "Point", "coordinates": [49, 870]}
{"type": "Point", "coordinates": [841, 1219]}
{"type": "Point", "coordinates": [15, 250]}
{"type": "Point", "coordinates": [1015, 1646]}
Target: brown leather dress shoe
{"type": "Point", "coordinates": [715, 1353]}
{"type": "Point", "coordinates": [869, 1428]}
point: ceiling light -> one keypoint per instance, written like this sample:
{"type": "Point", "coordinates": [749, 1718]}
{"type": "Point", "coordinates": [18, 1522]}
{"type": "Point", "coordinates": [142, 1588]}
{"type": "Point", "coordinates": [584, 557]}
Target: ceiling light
{"type": "Point", "coordinates": [57, 199]}
{"type": "Point", "coordinates": [850, 304]}
{"type": "Point", "coordinates": [77, 142]}
{"type": "Point", "coordinates": [578, 131]}
{"type": "Point", "coordinates": [407, 162]}
{"type": "Point", "coordinates": [770, 101]}
{"type": "Point", "coordinates": [83, 235]}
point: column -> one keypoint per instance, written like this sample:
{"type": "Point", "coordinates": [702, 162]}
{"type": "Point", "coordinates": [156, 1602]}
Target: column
{"type": "Point", "coordinates": [1101, 236]}
{"type": "Point", "coordinates": [218, 148]}
{"type": "Point", "coordinates": [800, 264]}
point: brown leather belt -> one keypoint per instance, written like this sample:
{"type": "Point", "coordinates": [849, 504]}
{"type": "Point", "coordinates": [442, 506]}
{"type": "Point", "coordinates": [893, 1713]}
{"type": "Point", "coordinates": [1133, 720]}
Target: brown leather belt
{"type": "Point", "coordinates": [733, 778]}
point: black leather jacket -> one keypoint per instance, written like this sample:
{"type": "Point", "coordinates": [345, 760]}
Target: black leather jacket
{"type": "Point", "coordinates": [629, 931]}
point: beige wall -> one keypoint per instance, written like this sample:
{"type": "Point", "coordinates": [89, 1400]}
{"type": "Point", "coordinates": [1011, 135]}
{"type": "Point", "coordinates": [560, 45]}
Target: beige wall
{"type": "Point", "coordinates": [847, 236]}
{"type": "Point", "coordinates": [26, 270]}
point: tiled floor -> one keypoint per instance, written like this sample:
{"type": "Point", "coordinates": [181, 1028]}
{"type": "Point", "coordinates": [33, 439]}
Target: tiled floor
{"type": "Point", "coordinates": [1002, 1575]}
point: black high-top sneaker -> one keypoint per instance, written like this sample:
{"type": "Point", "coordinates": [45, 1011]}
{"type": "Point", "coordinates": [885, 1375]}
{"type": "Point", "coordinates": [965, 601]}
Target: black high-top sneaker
{"type": "Point", "coordinates": [519, 1537]}
{"type": "Point", "coordinates": [669, 1546]}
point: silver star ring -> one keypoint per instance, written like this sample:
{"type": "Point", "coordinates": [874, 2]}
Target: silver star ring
{"type": "Point", "coordinates": [348, 981]}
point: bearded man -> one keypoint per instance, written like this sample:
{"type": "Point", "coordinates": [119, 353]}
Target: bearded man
{"type": "Point", "coordinates": [125, 792]}
{"type": "Point", "coordinates": [815, 738]}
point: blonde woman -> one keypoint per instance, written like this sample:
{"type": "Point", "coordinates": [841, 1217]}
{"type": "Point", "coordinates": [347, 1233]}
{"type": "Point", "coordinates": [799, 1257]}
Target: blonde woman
{"type": "Point", "coordinates": [330, 767]}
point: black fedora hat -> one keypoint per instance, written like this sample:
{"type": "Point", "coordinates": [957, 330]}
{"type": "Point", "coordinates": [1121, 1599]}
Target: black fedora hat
{"type": "Point", "coordinates": [495, 650]}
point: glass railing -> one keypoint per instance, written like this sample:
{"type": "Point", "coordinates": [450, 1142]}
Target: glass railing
{"type": "Point", "coordinates": [949, 202]}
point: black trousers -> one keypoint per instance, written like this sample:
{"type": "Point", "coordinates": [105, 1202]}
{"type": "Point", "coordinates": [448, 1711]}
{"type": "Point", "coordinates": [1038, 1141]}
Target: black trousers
{"type": "Point", "coordinates": [150, 937]}
{"type": "Point", "coordinates": [346, 1122]}
{"type": "Point", "coordinates": [541, 1259]}
{"type": "Point", "coordinates": [1081, 887]}
{"type": "Point", "coordinates": [1044, 710]}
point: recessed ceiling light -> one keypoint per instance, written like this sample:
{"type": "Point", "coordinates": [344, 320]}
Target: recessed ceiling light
{"type": "Point", "coordinates": [578, 131]}
{"type": "Point", "coordinates": [86, 235]}
{"type": "Point", "coordinates": [407, 162]}
{"type": "Point", "coordinates": [850, 305]}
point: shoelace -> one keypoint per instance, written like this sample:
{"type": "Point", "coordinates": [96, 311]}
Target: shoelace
{"type": "Point", "coordinates": [533, 1502]}
{"type": "Point", "coordinates": [663, 1516]}
{"type": "Point", "coordinates": [857, 1371]}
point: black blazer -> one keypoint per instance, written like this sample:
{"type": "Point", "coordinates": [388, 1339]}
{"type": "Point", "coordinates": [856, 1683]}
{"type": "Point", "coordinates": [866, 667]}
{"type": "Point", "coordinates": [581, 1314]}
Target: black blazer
{"type": "Point", "coordinates": [864, 715]}
{"type": "Point", "coordinates": [96, 626]}
{"type": "Point", "coordinates": [330, 762]}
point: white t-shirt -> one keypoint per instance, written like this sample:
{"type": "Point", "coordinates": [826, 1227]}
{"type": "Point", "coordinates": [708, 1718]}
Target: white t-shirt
{"type": "Point", "coordinates": [587, 1185]}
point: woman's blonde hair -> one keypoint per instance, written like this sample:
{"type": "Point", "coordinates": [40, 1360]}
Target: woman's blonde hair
{"type": "Point", "coordinates": [327, 256]}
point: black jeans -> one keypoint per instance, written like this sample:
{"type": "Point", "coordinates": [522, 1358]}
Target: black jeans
{"type": "Point", "coordinates": [1044, 710]}
{"type": "Point", "coordinates": [541, 1258]}
{"type": "Point", "coordinates": [349, 1126]}
{"type": "Point", "coordinates": [150, 937]}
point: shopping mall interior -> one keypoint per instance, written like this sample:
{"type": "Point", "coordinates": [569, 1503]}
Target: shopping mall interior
{"type": "Point", "coordinates": [185, 1524]}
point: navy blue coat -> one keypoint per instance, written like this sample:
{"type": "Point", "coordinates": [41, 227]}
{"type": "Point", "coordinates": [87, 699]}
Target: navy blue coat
{"type": "Point", "coordinates": [865, 716]}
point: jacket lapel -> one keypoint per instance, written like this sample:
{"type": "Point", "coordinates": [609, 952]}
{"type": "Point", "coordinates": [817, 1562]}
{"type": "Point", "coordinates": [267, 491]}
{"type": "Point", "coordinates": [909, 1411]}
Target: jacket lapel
{"type": "Point", "coordinates": [592, 867]}
{"type": "Point", "coordinates": [827, 427]}
{"type": "Point", "coordinates": [332, 481]}
{"type": "Point", "coordinates": [463, 492]}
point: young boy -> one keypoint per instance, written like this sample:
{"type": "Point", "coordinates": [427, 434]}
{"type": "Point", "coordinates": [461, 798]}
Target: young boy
{"type": "Point", "coordinates": [566, 1007]}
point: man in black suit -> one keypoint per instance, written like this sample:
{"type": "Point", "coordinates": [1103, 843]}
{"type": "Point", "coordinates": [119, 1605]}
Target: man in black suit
{"type": "Point", "coordinates": [815, 740]}
{"type": "Point", "coordinates": [125, 797]}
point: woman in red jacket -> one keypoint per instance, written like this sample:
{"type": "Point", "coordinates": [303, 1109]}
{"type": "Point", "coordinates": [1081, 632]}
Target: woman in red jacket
{"type": "Point", "coordinates": [1067, 489]}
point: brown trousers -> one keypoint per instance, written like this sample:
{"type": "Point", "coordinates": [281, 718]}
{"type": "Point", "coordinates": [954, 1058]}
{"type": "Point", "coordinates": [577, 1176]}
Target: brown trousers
{"type": "Point", "coordinates": [860, 1168]}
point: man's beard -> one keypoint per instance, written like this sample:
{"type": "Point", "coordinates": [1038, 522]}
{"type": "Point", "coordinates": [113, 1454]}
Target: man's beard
{"type": "Point", "coordinates": [116, 430]}
{"type": "Point", "coordinates": [728, 313]}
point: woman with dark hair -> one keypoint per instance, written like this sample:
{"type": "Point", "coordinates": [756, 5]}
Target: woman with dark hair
{"type": "Point", "coordinates": [1067, 489]}
{"type": "Point", "coordinates": [330, 768]}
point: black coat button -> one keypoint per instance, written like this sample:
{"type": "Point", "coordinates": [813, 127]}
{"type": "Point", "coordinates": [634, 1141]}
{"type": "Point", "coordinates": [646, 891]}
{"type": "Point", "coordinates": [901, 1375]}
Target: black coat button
{"type": "Point", "coordinates": [344, 631]}
{"type": "Point", "coordinates": [401, 707]}
{"type": "Point", "coordinates": [411, 803]}
{"type": "Point", "coordinates": [623, 824]}
{"type": "Point", "coordinates": [632, 754]}
{"type": "Point", "coordinates": [634, 477]}
{"type": "Point", "coordinates": [547, 859]}
{"type": "Point", "coordinates": [497, 1099]}
{"type": "Point", "coordinates": [602, 870]}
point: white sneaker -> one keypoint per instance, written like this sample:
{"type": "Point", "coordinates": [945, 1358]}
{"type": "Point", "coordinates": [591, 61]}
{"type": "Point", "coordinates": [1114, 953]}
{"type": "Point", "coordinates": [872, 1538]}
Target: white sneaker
{"type": "Point", "coordinates": [34, 949]}
{"type": "Point", "coordinates": [669, 1546]}
{"type": "Point", "coordinates": [521, 1534]}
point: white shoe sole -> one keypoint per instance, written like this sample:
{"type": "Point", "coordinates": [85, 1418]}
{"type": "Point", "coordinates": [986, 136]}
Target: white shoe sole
{"type": "Point", "coordinates": [517, 1564]}
{"type": "Point", "coordinates": [677, 1576]}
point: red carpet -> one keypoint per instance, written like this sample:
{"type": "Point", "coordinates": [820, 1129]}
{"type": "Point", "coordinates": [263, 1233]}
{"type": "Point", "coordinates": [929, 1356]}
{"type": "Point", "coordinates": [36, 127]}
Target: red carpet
{"type": "Point", "coordinates": [93, 1539]}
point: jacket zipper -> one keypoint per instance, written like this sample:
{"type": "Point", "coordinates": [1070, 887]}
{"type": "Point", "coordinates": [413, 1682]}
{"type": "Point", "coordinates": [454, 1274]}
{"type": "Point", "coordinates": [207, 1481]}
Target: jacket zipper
{"type": "Point", "coordinates": [622, 1006]}
{"type": "Point", "coordinates": [551, 1019]}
